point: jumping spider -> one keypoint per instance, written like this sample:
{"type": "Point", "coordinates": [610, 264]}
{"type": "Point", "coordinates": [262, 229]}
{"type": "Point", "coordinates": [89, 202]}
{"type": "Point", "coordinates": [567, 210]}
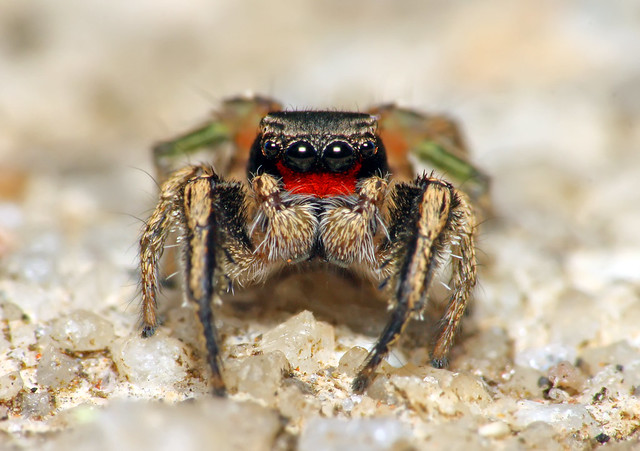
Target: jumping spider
{"type": "Point", "coordinates": [323, 187]}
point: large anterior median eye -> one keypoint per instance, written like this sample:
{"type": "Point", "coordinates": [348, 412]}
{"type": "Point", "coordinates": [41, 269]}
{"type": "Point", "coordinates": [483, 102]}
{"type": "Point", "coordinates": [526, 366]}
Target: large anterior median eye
{"type": "Point", "coordinates": [300, 156]}
{"type": "Point", "coordinates": [338, 156]}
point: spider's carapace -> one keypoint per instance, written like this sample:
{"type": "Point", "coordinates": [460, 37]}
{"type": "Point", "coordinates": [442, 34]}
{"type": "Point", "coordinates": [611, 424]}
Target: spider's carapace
{"type": "Point", "coordinates": [320, 153]}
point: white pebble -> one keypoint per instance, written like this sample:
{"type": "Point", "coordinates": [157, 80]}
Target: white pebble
{"type": "Point", "coordinates": [82, 331]}
{"type": "Point", "coordinates": [308, 344]}
{"type": "Point", "coordinates": [10, 385]}
{"type": "Point", "coordinates": [570, 417]}
{"type": "Point", "coordinates": [327, 434]}
{"type": "Point", "coordinates": [56, 369]}
{"type": "Point", "coordinates": [154, 361]}
{"type": "Point", "coordinates": [495, 429]}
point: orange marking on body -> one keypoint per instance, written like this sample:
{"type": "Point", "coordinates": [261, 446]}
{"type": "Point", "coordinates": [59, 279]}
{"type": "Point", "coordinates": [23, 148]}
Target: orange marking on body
{"type": "Point", "coordinates": [397, 148]}
{"type": "Point", "coordinates": [319, 184]}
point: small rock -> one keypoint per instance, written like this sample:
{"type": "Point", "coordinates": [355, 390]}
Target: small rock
{"type": "Point", "coordinates": [22, 334]}
{"type": "Point", "coordinates": [351, 361]}
{"type": "Point", "coordinates": [567, 377]}
{"type": "Point", "coordinates": [308, 344]}
{"type": "Point", "coordinates": [36, 404]}
{"type": "Point", "coordinates": [325, 434]}
{"type": "Point", "coordinates": [539, 435]}
{"type": "Point", "coordinates": [55, 369]}
{"type": "Point", "coordinates": [495, 429]}
{"type": "Point", "coordinates": [523, 383]}
{"type": "Point", "coordinates": [460, 434]}
{"type": "Point", "coordinates": [295, 405]}
{"type": "Point", "coordinates": [486, 354]}
{"type": "Point", "coordinates": [8, 310]}
{"type": "Point", "coordinates": [428, 394]}
{"type": "Point", "coordinates": [207, 423]}
{"type": "Point", "coordinates": [258, 375]}
{"type": "Point", "coordinates": [4, 414]}
{"type": "Point", "coordinates": [612, 382]}
{"type": "Point", "coordinates": [155, 361]}
{"type": "Point", "coordinates": [470, 389]}
{"type": "Point", "coordinates": [10, 385]}
{"type": "Point", "coordinates": [82, 331]}
{"type": "Point", "coordinates": [563, 417]}
{"type": "Point", "coordinates": [620, 353]}
{"type": "Point", "coordinates": [544, 358]}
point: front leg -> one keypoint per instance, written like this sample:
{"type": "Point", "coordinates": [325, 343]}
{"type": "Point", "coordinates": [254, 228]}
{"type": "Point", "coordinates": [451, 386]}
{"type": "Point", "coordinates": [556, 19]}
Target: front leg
{"type": "Point", "coordinates": [425, 216]}
{"type": "Point", "coordinates": [211, 216]}
{"type": "Point", "coordinates": [152, 243]}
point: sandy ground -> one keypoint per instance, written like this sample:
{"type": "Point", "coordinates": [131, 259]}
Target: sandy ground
{"type": "Point", "coordinates": [549, 97]}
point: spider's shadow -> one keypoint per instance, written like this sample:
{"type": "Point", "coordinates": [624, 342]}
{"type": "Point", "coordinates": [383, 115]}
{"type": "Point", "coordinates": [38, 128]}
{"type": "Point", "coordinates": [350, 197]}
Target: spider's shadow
{"type": "Point", "coordinates": [334, 296]}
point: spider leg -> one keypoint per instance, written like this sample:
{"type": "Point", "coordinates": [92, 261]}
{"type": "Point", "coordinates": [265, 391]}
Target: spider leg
{"type": "Point", "coordinates": [235, 122]}
{"type": "Point", "coordinates": [200, 222]}
{"type": "Point", "coordinates": [436, 141]}
{"type": "Point", "coordinates": [424, 217]}
{"type": "Point", "coordinates": [211, 214]}
{"type": "Point", "coordinates": [152, 242]}
{"type": "Point", "coordinates": [463, 278]}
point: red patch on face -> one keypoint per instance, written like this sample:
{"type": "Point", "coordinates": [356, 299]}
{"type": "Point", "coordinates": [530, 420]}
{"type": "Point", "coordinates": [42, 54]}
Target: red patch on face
{"type": "Point", "coordinates": [319, 184]}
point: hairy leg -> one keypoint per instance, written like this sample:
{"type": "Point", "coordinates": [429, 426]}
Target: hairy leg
{"type": "Point", "coordinates": [152, 243]}
{"type": "Point", "coordinates": [463, 276]}
{"type": "Point", "coordinates": [422, 220]}
{"type": "Point", "coordinates": [211, 216]}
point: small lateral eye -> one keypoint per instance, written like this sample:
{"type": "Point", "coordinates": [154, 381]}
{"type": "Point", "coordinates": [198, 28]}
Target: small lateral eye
{"type": "Point", "coordinates": [368, 148]}
{"type": "Point", "coordinates": [270, 148]}
{"type": "Point", "coordinates": [338, 156]}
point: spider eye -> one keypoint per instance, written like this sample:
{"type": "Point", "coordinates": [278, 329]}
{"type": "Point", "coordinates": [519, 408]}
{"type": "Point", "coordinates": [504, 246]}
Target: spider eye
{"type": "Point", "coordinates": [368, 148]}
{"type": "Point", "coordinates": [270, 148]}
{"type": "Point", "coordinates": [300, 156]}
{"type": "Point", "coordinates": [338, 156]}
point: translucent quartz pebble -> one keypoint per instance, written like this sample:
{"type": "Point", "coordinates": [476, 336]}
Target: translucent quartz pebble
{"type": "Point", "coordinates": [82, 331]}
{"type": "Point", "coordinates": [565, 417]}
{"type": "Point", "coordinates": [567, 377]}
{"type": "Point", "coordinates": [352, 360]}
{"type": "Point", "coordinates": [8, 310]}
{"type": "Point", "coordinates": [158, 360]}
{"type": "Point", "coordinates": [10, 385]}
{"type": "Point", "coordinates": [308, 344]}
{"type": "Point", "coordinates": [523, 382]}
{"type": "Point", "coordinates": [545, 357]}
{"type": "Point", "coordinates": [470, 389]}
{"type": "Point", "coordinates": [258, 375]}
{"type": "Point", "coordinates": [448, 393]}
{"type": "Point", "coordinates": [620, 353]}
{"type": "Point", "coordinates": [486, 354]}
{"type": "Point", "coordinates": [205, 423]}
{"type": "Point", "coordinates": [357, 434]}
{"type": "Point", "coordinates": [36, 404]}
{"type": "Point", "coordinates": [55, 369]}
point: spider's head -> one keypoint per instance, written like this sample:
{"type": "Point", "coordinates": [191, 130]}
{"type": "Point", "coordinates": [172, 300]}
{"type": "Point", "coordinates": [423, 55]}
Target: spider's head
{"type": "Point", "coordinates": [322, 153]}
